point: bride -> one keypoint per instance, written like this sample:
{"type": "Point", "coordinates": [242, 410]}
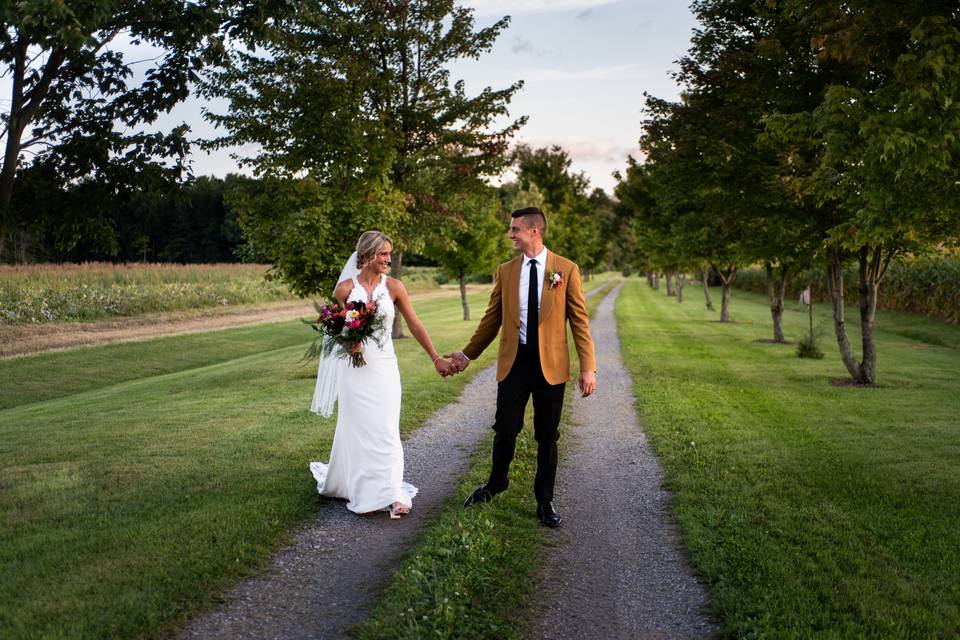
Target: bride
{"type": "Point", "coordinates": [366, 461]}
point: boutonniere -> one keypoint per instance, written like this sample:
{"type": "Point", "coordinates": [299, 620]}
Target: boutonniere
{"type": "Point", "coordinates": [556, 279]}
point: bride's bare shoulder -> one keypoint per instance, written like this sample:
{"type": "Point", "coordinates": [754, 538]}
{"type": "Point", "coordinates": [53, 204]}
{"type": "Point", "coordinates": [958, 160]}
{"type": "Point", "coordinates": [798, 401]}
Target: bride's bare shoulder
{"type": "Point", "coordinates": [395, 286]}
{"type": "Point", "coordinates": [343, 289]}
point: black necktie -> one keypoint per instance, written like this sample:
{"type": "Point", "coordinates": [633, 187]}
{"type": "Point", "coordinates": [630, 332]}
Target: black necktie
{"type": "Point", "coordinates": [532, 311]}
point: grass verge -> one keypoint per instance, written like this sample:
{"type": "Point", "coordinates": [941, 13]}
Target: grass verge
{"type": "Point", "coordinates": [471, 574]}
{"type": "Point", "coordinates": [811, 511]}
{"type": "Point", "coordinates": [139, 481]}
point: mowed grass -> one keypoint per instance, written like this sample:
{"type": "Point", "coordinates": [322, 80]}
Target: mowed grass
{"type": "Point", "coordinates": [139, 481]}
{"type": "Point", "coordinates": [472, 573]}
{"type": "Point", "coordinates": [810, 510]}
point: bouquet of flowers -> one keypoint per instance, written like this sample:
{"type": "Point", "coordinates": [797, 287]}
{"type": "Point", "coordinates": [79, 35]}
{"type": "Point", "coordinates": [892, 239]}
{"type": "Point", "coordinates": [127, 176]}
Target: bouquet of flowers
{"type": "Point", "coordinates": [345, 327]}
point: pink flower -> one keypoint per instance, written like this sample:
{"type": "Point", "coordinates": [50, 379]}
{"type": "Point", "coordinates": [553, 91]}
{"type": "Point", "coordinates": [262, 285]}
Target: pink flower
{"type": "Point", "coordinates": [556, 279]}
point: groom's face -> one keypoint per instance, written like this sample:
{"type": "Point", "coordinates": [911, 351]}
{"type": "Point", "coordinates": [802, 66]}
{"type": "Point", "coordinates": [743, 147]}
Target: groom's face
{"type": "Point", "coordinates": [521, 235]}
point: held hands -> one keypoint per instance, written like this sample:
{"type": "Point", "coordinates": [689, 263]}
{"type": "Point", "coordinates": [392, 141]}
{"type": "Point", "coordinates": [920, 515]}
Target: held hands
{"type": "Point", "coordinates": [459, 360]}
{"type": "Point", "coordinates": [445, 367]}
{"type": "Point", "coordinates": [451, 364]}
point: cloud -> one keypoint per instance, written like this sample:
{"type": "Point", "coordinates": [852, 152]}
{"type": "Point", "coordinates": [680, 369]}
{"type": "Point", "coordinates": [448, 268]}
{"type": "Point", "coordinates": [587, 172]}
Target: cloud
{"type": "Point", "coordinates": [585, 14]}
{"type": "Point", "coordinates": [646, 24]}
{"type": "Point", "coordinates": [616, 72]}
{"type": "Point", "coordinates": [507, 7]}
{"type": "Point", "coordinates": [584, 150]}
{"type": "Point", "coordinates": [522, 46]}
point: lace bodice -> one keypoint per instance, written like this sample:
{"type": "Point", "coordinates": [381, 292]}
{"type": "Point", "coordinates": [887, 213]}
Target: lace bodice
{"type": "Point", "coordinates": [381, 296]}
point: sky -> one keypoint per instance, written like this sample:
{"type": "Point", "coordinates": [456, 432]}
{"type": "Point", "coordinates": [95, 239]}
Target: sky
{"type": "Point", "coordinates": [586, 65]}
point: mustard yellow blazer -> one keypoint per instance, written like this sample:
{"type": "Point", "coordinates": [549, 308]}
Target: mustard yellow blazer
{"type": "Point", "coordinates": [557, 306]}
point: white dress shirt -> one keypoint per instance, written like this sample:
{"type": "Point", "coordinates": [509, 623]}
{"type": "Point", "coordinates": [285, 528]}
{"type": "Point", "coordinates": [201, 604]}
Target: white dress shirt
{"type": "Point", "coordinates": [541, 259]}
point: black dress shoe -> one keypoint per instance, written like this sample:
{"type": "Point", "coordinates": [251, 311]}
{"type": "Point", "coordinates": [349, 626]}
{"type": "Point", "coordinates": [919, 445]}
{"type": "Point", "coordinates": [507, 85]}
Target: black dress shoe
{"type": "Point", "coordinates": [480, 495]}
{"type": "Point", "coordinates": [547, 515]}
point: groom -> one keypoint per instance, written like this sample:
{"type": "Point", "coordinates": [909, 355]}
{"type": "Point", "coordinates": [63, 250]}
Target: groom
{"type": "Point", "coordinates": [534, 295]}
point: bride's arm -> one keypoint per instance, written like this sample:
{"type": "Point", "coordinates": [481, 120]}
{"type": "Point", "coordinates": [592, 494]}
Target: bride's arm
{"type": "Point", "coordinates": [402, 302]}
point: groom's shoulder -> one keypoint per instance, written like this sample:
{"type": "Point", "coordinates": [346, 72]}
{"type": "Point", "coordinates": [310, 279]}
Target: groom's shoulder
{"type": "Point", "coordinates": [565, 264]}
{"type": "Point", "coordinates": [511, 261]}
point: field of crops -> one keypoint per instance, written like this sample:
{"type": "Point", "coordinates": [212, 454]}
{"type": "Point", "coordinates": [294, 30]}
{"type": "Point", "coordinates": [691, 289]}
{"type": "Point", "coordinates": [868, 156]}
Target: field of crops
{"type": "Point", "coordinates": [95, 290]}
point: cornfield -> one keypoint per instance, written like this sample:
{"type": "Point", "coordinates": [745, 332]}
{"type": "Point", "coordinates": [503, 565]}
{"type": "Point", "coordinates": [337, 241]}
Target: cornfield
{"type": "Point", "coordinates": [929, 286]}
{"type": "Point", "coordinates": [95, 290]}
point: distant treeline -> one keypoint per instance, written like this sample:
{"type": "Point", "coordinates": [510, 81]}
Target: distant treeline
{"type": "Point", "coordinates": [186, 223]}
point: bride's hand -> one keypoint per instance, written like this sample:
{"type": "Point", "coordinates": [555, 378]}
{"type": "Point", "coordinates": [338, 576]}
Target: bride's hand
{"type": "Point", "coordinates": [357, 347]}
{"type": "Point", "coordinates": [444, 368]}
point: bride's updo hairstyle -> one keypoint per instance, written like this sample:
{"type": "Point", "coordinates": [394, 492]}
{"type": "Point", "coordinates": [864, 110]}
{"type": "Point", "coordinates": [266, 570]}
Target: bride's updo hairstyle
{"type": "Point", "coordinates": [369, 245]}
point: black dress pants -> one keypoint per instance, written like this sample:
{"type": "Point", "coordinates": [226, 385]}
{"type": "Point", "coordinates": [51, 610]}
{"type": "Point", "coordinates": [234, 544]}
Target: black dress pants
{"type": "Point", "coordinates": [513, 392]}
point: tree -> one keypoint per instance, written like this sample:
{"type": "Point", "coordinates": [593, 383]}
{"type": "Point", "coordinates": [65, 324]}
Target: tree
{"type": "Point", "coordinates": [304, 228]}
{"type": "Point", "coordinates": [549, 170]}
{"type": "Point", "coordinates": [701, 194]}
{"type": "Point", "coordinates": [878, 155]}
{"type": "Point", "coordinates": [748, 61]}
{"type": "Point", "coordinates": [574, 228]}
{"type": "Point", "coordinates": [358, 92]}
{"type": "Point", "coordinates": [473, 242]}
{"type": "Point", "coordinates": [76, 118]}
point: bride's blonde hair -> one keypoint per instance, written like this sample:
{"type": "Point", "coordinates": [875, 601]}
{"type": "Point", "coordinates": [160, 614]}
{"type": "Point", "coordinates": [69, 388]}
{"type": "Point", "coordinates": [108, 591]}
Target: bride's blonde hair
{"type": "Point", "coordinates": [368, 245]}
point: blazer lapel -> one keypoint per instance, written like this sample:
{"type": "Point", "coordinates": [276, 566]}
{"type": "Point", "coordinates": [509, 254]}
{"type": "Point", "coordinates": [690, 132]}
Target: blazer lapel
{"type": "Point", "coordinates": [512, 284]}
{"type": "Point", "coordinates": [546, 293]}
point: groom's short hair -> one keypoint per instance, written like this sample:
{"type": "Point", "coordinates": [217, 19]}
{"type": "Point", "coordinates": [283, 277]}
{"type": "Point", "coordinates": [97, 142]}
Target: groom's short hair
{"type": "Point", "coordinates": [532, 217]}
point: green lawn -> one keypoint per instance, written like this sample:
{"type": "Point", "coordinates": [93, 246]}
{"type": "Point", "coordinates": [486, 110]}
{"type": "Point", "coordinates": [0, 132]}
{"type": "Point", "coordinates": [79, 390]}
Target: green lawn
{"type": "Point", "coordinates": [811, 511]}
{"type": "Point", "coordinates": [139, 481]}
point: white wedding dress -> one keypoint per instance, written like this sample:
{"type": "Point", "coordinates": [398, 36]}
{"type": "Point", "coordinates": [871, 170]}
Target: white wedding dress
{"type": "Point", "coordinates": [366, 461]}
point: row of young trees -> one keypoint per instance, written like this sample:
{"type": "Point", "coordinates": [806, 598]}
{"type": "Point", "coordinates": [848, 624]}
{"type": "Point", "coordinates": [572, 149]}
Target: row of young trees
{"type": "Point", "coordinates": [807, 133]}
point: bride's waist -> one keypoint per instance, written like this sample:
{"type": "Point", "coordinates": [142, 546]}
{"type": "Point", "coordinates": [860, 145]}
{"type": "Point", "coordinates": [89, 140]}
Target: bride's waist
{"type": "Point", "coordinates": [372, 346]}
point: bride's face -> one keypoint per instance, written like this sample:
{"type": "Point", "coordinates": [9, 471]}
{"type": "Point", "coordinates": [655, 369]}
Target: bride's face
{"type": "Point", "coordinates": [381, 261]}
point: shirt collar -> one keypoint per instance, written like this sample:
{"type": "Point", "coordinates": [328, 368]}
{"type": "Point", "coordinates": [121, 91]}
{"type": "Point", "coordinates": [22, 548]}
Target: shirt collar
{"type": "Point", "coordinates": [541, 258]}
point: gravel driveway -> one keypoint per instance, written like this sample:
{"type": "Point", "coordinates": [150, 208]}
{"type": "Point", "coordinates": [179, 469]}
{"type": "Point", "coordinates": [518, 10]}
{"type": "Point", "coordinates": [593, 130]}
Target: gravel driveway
{"type": "Point", "coordinates": [330, 578]}
{"type": "Point", "coordinates": [615, 569]}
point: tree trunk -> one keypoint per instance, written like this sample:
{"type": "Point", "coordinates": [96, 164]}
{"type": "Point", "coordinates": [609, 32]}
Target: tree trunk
{"type": "Point", "coordinates": [776, 289]}
{"type": "Point", "coordinates": [873, 266]}
{"type": "Point", "coordinates": [650, 279]}
{"type": "Point", "coordinates": [656, 280]}
{"type": "Point", "coordinates": [463, 295]}
{"type": "Point", "coordinates": [706, 288]}
{"type": "Point", "coordinates": [725, 302]}
{"type": "Point", "coordinates": [396, 268]}
{"type": "Point", "coordinates": [669, 277]}
{"type": "Point", "coordinates": [726, 278]}
{"type": "Point", "coordinates": [24, 103]}
{"type": "Point", "coordinates": [873, 263]}
{"type": "Point", "coordinates": [835, 289]}
{"type": "Point", "coordinates": [681, 278]}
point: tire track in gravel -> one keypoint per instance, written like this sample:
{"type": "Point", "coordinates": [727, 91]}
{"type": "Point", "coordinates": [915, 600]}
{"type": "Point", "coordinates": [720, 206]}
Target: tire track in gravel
{"type": "Point", "coordinates": [615, 569]}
